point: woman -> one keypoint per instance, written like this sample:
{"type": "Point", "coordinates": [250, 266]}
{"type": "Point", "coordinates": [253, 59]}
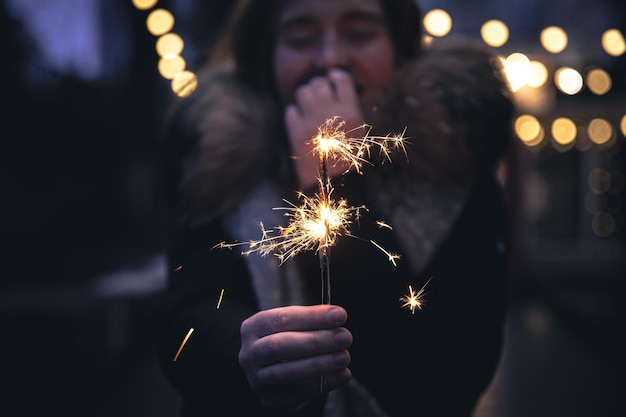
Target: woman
{"type": "Point", "coordinates": [241, 143]}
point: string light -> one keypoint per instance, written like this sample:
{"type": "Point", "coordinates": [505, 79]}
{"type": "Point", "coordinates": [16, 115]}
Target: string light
{"type": "Point", "coordinates": [169, 46]}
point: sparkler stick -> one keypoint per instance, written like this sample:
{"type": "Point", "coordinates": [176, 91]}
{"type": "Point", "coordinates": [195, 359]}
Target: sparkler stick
{"type": "Point", "coordinates": [324, 252]}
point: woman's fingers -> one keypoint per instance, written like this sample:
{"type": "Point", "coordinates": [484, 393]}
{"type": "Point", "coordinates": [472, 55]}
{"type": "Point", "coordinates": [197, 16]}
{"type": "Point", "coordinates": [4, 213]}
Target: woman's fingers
{"type": "Point", "coordinates": [293, 318]}
{"type": "Point", "coordinates": [287, 346]}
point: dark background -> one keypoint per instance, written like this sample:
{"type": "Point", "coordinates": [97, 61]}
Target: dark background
{"type": "Point", "coordinates": [81, 293]}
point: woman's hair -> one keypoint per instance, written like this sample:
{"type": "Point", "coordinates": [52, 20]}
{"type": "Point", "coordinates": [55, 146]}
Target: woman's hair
{"type": "Point", "coordinates": [250, 36]}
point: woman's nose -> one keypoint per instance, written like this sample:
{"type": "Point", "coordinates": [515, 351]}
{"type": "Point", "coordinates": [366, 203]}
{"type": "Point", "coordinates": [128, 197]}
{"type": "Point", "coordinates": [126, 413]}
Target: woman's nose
{"type": "Point", "coordinates": [331, 53]}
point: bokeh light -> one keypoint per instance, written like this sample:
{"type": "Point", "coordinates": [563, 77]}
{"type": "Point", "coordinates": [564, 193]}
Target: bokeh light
{"type": "Point", "coordinates": [159, 22]}
{"type": "Point", "coordinates": [563, 131]}
{"type": "Point", "coordinates": [598, 81]}
{"type": "Point", "coordinates": [495, 33]}
{"type": "Point", "coordinates": [600, 131]}
{"type": "Point", "coordinates": [171, 65]}
{"type": "Point", "coordinates": [613, 42]}
{"type": "Point", "coordinates": [553, 39]}
{"type": "Point", "coordinates": [529, 130]}
{"type": "Point", "coordinates": [169, 44]}
{"type": "Point", "coordinates": [622, 125]}
{"type": "Point", "coordinates": [568, 80]}
{"type": "Point", "coordinates": [144, 4]}
{"type": "Point", "coordinates": [538, 74]}
{"type": "Point", "coordinates": [184, 83]}
{"type": "Point", "coordinates": [437, 22]}
{"type": "Point", "coordinates": [517, 70]}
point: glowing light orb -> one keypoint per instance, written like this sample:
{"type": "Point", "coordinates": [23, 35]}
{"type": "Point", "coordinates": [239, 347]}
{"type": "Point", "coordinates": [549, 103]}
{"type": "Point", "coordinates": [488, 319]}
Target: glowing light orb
{"type": "Point", "coordinates": [568, 80]}
{"type": "Point", "coordinates": [169, 44]}
{"type": "Point", "coordinates": [495, 33]}
{"type": "Point", "coordinates": [563, 131]}
{"type": "Point", "coordinates": [159, 22]}
{"type": "Point", "coordinates": [553, 39]}
{"type": "Point", "coordinates": [613, 42]}
{"type": "Point", "coordinates": [437, 22]}
{"type": "Point", "coordinates": [184, 83]}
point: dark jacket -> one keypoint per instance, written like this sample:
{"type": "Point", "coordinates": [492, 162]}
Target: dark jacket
{"type": "Point", "coordinates": [449, 220]}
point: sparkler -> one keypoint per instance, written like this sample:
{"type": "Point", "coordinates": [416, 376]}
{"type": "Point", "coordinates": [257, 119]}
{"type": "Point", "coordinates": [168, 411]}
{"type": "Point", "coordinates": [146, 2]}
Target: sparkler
{"type": "Point", "coordinates": [320, 220]}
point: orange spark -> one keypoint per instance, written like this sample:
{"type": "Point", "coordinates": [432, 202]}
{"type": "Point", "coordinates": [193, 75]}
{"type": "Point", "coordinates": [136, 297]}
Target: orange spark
{"type": "Point", "coordinates": [183, 343]}
{"type": "Point", "coordinates": [219, 302]}
{"type": "Point", "coordinates": [382, 224]}
{"type": "Point", "coordinates": [390, 256]}
{"type": "Point", "coordinates": [414, 300]}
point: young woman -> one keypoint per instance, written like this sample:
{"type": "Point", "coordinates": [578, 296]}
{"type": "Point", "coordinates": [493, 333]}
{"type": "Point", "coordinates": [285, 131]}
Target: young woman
{"type": "Point", "coordinates": [262, 343]}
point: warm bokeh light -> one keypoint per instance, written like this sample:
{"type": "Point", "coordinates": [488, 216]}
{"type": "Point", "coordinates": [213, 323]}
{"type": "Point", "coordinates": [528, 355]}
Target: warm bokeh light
{"type": "Point", "coordinates": [568, 80]}
{"type": "Point", "coordinates": [599, 181]}
{"type": "Point", "coordinates": [553, 39]}
{"type": "Point", "coordinates": [437, 22]}
{"type": "Point", "coordinates": [159, 22]}
{"type": "Point", "coordinates": [600, 131]}
{"type": "Point", "coordinates": [603, 224]}
{"type": "Point", "coordinates": [169, 44]}
{"type": "Point", "coordinates": [427, 40]}
{"type": "Point", "coordinates": [517, 70]}
{"type": "Point", "coordinates": [563, 131]}
{"type": "Point", "coordinates": [538, 74]}
{"type": "Point", "coordinates": [184, 83]}
{"type": "Point", "coordinates": [144, 4]}
{"type": "Point", "coordinates": [622, 125]}
{"type": "Point", "coordinates": [529, 130]}
{"type": "Point", "coordinates": [171, 65]}
{"type": "Point", "coordinates": [598, 81]}
{"type": "Point", "coordinates": [613, 42]}
{"type": "Point", "coordinates": [495, 33]}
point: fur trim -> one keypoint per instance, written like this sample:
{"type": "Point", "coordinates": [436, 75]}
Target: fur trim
{"type": "Point", "coordinates": [232, 155]}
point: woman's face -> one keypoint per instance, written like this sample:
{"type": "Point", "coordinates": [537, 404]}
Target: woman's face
{"type": "Point", "coordinates": [314, 36]}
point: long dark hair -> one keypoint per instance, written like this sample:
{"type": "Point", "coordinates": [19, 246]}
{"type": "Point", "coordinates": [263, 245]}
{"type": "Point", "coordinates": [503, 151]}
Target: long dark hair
{"type": "Point", "coordinates": [249, 38]}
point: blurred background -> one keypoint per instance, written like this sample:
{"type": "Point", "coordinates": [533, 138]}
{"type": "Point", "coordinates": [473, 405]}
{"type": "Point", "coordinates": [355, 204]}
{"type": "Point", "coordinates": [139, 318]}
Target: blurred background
{"type": "Point", "coordinates": [86, 87]}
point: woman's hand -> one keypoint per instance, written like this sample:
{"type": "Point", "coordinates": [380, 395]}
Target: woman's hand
{"type": "Point", "coordinates": [285, 353]}
{"type": "Point", "coordinates": [317, 101]}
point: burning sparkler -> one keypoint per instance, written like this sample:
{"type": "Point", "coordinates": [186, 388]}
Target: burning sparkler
{"type": "Point", "coordinates": [413, 299]}
{"type": "Point", "coordinates": [320, 220]}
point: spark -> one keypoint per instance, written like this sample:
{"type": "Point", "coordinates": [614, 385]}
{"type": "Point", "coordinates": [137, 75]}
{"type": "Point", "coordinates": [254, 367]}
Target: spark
{"type": "Point", "coordinates": [312, 226]}
{"type": "Point", "coordinates": [332, 141]}
{"type": "Point", "coordinates": [414, 300]}
{"type": "Point", "coordinates": [382, 225]}
{"type": "Point", "coordinates": [183, 343]}
{"type": "Point", "coordinates": [178, 268]}
{"type": "Point", "coordinates": [392, 257]}
{"type": "Point", "coordinates": [219, 302]}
